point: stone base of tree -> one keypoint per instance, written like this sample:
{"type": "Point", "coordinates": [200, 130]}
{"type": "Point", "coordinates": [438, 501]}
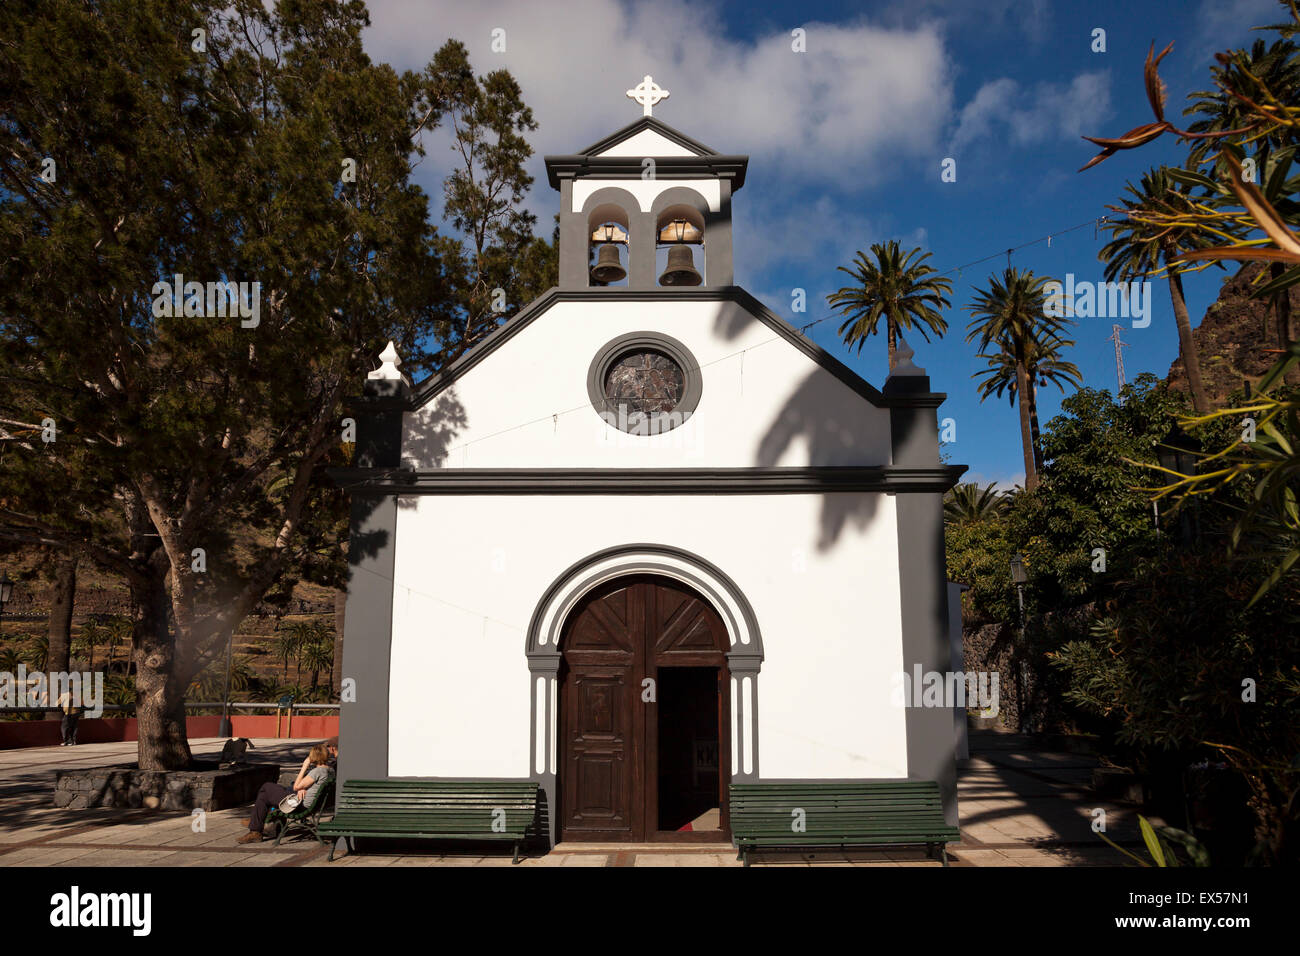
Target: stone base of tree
{"type": "Point", "coordinates": [124, 786]}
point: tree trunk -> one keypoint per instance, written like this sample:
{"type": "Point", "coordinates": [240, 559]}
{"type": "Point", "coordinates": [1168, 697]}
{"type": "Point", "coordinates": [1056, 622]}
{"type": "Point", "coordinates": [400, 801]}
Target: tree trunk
{"type": "Point", "coordinates": [1026, 434]}
{"type": "Point", "coordinates": [1033, 425]}
{"type": "Point", "coordinates": [1191, 360]}
{"type": "Point", "coordinates": [62, 600]}
{"type": "Point", "coordinates": [893, 341]}
{"type": "Point", "coordinates": [340, 612]}
{"type": "Point", "coordinates": [160, 703]}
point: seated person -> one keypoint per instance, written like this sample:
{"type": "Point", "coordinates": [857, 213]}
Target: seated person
{"type": "Point", "coordinates": [315, 771]}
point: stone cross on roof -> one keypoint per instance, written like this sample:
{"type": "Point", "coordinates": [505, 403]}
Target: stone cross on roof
{"type": "Point", "coordinates": [647, 93]}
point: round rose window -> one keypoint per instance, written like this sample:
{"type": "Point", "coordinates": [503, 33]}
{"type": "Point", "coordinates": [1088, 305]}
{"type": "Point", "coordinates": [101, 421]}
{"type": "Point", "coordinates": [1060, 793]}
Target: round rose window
{"type": "Point", "coordinates": [645, 383]}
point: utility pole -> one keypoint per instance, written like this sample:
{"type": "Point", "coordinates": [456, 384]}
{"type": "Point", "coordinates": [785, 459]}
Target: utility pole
{"type": "Point", "coordinates": [1119, 357]}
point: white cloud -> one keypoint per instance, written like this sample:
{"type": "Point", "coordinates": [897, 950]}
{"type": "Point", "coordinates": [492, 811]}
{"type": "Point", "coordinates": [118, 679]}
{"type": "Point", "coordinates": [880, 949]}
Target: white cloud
{"type": "Point", "coordinates": [1002, 107]}
{"type": "Point", "coordinates": [861, 97]}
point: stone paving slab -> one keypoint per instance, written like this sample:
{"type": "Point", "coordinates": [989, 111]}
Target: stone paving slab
{"type": "Point", "coordinates": [1019, 806]}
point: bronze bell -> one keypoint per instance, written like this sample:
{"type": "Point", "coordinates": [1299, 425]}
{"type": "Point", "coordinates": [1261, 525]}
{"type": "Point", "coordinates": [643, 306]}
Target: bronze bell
{"type": "Point", "coordinates": [681, 268]}
{"type": "Point", "coordinates": [607, 268]}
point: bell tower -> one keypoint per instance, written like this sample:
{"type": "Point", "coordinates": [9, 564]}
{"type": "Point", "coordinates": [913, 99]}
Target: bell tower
{"type": "Point", "coordinates": [647, 207]}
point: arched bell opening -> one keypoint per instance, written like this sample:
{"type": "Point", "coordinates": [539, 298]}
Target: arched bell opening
{"type": "Point", "coordinates": [679, 232]}
{"type": "Point", "coordinates": [608, 237]}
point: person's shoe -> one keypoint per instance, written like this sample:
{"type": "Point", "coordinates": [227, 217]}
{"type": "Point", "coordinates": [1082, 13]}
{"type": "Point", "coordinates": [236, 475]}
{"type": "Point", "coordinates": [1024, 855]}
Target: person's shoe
{"type": "Point", "coordinates": [252, 836]}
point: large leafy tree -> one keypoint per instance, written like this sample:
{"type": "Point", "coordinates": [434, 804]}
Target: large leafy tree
{"type": "Point", "coordinates": [190, 449]}
{"type": "Point", "coordinates": [1012, 313]}
{"type": "Point", "coordinates": [898, 287]}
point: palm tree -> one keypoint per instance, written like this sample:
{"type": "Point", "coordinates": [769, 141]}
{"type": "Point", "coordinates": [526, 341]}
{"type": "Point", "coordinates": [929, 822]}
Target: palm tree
{"type": "Point", "coordinates": [969, 502]}
{"type": "Point", "coordinates": [38, 651]}
{"type": "Point", "coordinates": [1044, 365]}
{"type": "Point", "coordinates": [86, 641]}
{"type": "Point", "coordinates": [1143, 249]}
{"type": "Point", "coordinates": [284, 645]}
{"type": "Point", "coordinates": [903, 289]}
{"type": "Point", "coordinates": [1012, 313]}
{"type": "Point", "coordinates": [9, 660]}
{"type": "Point", "coordinates": [318, 656]}
{"type": "Point", "coordinates": [119, 630]}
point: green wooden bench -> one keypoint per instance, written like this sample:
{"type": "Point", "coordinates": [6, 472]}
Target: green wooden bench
{"type": "Point", "coordinates": [434, 810]}
{"type": "Point", "coordinates": [895, 812]}
{"type": "Point", "coordinates": [304, 817]}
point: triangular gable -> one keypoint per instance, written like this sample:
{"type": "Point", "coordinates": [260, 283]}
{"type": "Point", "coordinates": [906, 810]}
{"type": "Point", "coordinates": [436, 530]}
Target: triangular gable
{"type": "Point", "coordinates": [430, 387]}
{"type": "Point", "coordinates": [648, 137]}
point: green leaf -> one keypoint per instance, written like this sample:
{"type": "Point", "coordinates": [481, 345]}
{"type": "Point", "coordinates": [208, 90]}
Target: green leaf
{"type": "Point", "coordinates": [1284, 281]}
{"type": "Point", "coordinates": [1152, 841]}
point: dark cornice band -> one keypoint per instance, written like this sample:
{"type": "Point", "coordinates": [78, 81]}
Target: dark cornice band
{"type": "Point", "coordinates": [647, 481]}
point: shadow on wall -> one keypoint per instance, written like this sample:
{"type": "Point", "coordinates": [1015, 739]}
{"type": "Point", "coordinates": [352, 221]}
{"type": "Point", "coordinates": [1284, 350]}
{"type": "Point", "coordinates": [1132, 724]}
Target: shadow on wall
{"type": "Point", "coordinates": [809, 415]}
{"type": "Point", "coordinates": [427, 441]}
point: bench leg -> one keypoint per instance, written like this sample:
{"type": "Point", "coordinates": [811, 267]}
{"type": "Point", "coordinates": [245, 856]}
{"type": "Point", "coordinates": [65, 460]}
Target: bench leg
{"type": "Point", "coordinates": [745, 855]}
{"type": "Point", "coordinates": [516, 859]}
{"type": "Point", "coordinates": [944, 851]}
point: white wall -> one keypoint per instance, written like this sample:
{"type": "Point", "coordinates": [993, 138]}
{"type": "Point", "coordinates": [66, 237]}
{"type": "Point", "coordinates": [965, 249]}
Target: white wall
{"type": "Point", "coordinates": [763, 403]}
{"type": "Point", "coordinates": [820, 572]}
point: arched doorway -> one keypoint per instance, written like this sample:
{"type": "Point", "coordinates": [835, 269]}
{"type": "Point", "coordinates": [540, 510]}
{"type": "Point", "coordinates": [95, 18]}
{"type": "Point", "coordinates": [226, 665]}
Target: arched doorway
{"type": "Point", "coordinates": [644, 707]}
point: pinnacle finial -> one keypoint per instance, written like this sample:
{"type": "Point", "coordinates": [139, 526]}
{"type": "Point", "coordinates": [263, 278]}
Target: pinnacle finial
{"type": "Point", "coordinates": [388, 370]}
{"type": "Point", "coordinates": [903, 360]}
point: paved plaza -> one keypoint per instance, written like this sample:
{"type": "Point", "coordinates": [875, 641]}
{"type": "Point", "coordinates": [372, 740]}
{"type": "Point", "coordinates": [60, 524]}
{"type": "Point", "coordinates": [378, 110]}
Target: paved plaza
{"type": "Point", "coordinates": [1019, 807]}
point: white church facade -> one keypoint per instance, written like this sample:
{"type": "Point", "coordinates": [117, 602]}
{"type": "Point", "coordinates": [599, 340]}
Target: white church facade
{"type": "Point", "coordinates": [646, 540]}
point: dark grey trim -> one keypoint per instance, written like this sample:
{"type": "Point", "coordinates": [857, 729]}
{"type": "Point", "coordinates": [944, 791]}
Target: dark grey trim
{"type": "Point", "coordinates": [890, 479]}
{"type": "Point", "coordinates": [693, 387]}
{"type": "Point", "coordinates": [923, 592]}
{"type": "Point", "coordinates": [743, 660]}
{"type": "Point", "coordinates": [654, 125]}
{"type": "Point", "coordinates": [368, 638]}
{"type": "Point", "coordinates": [560, 168]}
{"type": "Point", "coordinates": [430, 387]}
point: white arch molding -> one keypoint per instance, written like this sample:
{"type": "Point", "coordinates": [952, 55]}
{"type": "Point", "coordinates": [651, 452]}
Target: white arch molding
{"type": "Point", "coordinates": [744, 659]}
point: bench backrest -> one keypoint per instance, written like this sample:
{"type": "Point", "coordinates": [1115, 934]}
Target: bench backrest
{"type": "Point", "coordinates": [839, 807]}
{"type": "Point", "coordinates": [470, 802]}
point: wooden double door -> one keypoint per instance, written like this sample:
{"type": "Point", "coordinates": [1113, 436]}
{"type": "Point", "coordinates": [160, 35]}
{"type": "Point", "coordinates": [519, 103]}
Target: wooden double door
{"type": "Point", "coordinates": [644, 715]}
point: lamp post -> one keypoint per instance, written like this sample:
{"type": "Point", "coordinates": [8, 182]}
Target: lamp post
{"type": "Point", "coordinates": [1019, 577]}
{"type": "Point", "coordinates": [224, 730]}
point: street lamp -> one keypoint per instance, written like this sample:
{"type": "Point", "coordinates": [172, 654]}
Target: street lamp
{"type": "Point", "coordinates": [224, 730]}
{"type": "Point", "coordinates": [1019, 577]}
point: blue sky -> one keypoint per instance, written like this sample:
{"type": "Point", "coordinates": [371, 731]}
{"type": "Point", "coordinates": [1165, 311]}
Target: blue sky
{"type": "Point", "coordinates": [847, 139]}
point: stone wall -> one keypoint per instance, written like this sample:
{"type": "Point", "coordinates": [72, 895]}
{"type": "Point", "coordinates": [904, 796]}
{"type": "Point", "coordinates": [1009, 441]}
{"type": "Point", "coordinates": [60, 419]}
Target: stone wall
{"type": "Point", "coordinates": [129, 787]}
